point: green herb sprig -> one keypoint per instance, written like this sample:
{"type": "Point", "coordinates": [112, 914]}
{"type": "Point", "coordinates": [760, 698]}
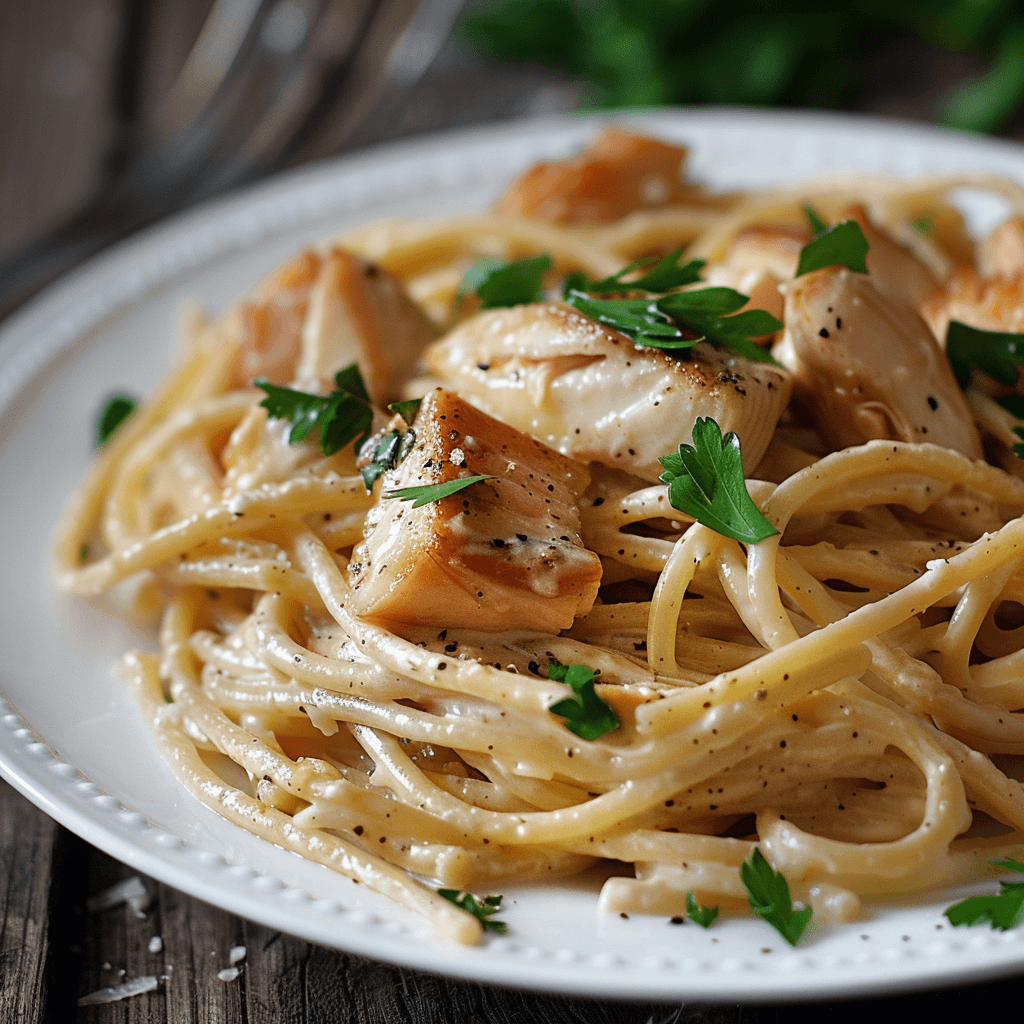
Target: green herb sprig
{"type": "Point", "coordinates": [816, 221]}
{"type": "Point", "coordinates": [115, 411]}
{"type": "Point", "coordinates": [585, 713]}
{"type": "Point", "coordinates": [390, 450]}
{"type": "Point", "coordinates": [703, 312]}
{"type": "Point", "coordinates": [664, 275]}
{"type": "Point", "coordinates": [788, 53]}
{"type": "Point", "coordinates": [1004, 911]}
{"type": "Point", "coordinates": [498, 283]}
{"type": "Point", "coordinates": [426, 493]}
{"type": "Point", "coordinates": [340, 417]}
{"type": "Point", "coordinates": [844, 244]}
{"type": "Point", "coordinates": [768, 895]}
{"type": "Point", "coordinates": [704, 916]}
{"type": "Point", "coordinates": [705, 480]}
{"type": "Point", "coordinates": [407, 409]}
{"type": "Point", "coordinates": [997, 353]}
{"type": "Point", "coordinates": [483, 910]}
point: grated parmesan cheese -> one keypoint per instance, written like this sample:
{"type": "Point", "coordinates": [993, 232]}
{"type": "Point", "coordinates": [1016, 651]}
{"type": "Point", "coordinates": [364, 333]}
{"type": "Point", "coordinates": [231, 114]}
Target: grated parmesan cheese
{"type": "Point", "coordinates": [135, 987]}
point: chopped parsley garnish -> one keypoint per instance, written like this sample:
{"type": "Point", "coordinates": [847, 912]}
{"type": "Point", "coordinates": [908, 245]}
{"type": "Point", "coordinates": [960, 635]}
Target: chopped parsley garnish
{"type": "Point", "coordinates": [768, 895]}
{"type": "Point", "coordinates": [498, 283]}
{"type": "Point", "coordinates": [340, 417]}
{"type": "Point", "coordinates": [665, 275]}
{"type": "Point", "coordinates": [116, 410]}
{"type": "Point", "coordinates": [656, 323]}
{"type": "Point", "coordinates": [390, 450]}
{"type": "Point", "coordinates": [994, 352]}
{"type": "Point", "coordinates": [704, 916]}
{"type": "Point", "coordinates": [1003, 911]}
{"type": "Point", "coordinates": [482, 910]}
{"type": "Point", "coordinates": [845, 243]}
{"type": "Point", "coordinates": [407, 410]}
{"type": "Point", "coordinates": [705, 480]}
{"type": "Point", "coordinates": [818, 226]}
{"type": "Point", "coordinates": [435, 492]}
{"type": "Point", "coordinates": [638, 319]}
{"type": "Point", "coordinates": [584, 712]}
{"type": "Point", "coordinates": [924, 225]}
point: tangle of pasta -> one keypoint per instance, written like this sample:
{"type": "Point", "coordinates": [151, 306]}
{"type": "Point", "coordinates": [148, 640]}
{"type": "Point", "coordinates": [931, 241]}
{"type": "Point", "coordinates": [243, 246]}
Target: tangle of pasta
{"type": "Point", "coordinates": [847, 695]}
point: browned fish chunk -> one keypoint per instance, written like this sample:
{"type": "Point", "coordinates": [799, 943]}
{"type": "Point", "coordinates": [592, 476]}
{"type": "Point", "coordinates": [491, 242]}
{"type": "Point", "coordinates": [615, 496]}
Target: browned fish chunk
{"type": "Point", "coordinates": [592, 393]}
{"type": "Point", "coordinates": [867, 366]}
{"type": "Point", "coordinates": [360, 314]}
{"type": "Point", "coordinates": [621, 171]}
{"type": "Point", "coordinates": [504, 552]}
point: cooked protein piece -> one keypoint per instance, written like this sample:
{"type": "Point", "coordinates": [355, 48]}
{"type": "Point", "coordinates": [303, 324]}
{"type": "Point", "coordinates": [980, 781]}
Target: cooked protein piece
{"type": "Point", "coordinates": [757, 594]}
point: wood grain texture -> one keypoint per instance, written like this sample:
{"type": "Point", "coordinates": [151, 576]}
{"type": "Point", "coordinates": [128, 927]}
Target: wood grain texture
{"type": "Point", "coordinates": [54, 948]}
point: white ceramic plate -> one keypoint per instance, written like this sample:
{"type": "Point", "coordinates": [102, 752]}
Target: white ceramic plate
{"type": "Point", "coordinates": [70, 737]}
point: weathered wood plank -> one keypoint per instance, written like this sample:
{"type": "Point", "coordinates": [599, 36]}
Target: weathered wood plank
{"type": "Point", "coordinates": [32, 985]}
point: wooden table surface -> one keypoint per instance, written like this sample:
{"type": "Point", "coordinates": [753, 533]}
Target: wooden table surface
{"type": "Point", "coordinates": [56, 946]}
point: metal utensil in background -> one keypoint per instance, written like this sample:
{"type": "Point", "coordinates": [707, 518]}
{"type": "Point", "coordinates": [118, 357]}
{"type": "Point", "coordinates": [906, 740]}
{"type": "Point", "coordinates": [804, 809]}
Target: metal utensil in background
{"type": "Point", "coordinates": [266, 83]}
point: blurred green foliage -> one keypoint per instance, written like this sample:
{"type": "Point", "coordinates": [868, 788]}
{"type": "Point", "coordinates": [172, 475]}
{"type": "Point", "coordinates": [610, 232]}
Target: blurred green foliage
{"type": "Point", "coordinates": [754, 52]}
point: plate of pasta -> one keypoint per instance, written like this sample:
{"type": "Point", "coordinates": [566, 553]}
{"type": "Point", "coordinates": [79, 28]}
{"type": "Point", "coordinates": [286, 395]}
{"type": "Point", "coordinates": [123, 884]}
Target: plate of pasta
{"type": "Point", "coordinates": [577, 555]}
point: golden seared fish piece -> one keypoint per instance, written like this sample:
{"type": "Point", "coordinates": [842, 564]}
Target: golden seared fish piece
{"type": "Point", "coordinates": [619, 172]}
{"type": "Point", "coordinates": [321, 313]}
{"type": "Point", "coordinates": [867, 366]}
{"type": "Point", "coordinates": [318, 313]}
{"type": "Point", "coordinates": [988, 303]}
{"type": "Point", "coordinates": [358, 313]}
{"type": "Point", "coordinates": [265, 328]}
{"type": "Point", "coordinates": [1001, 254]}
{"type": "Point", "coordinates": [500, 553]}
{"type": "Point", "coordinates": [592, 393]}
{"type": "Point", "coordinates": [990, 298]}
{"type": "Point", "coordinates": [891, 264]}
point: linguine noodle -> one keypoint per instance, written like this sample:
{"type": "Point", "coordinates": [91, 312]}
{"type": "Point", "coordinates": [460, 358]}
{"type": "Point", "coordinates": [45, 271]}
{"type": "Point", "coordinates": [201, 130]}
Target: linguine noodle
{"type": "Point", "coordinates": [847, 695]}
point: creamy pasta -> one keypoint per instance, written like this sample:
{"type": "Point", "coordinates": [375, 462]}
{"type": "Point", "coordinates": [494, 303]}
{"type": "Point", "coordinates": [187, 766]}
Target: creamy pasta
{"type": "Point", "coordinates": [369, 685]}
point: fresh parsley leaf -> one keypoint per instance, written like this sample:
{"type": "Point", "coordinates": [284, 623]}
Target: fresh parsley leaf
{"type": "Point", "coordinates": [639, 319]}
{"type": "Point", "coordinates": [703, 311]}
{"type": "Point", "coordinates": [482, 910]}
{"type": "Point", "coordinates": [817, 224]}
{"type": "Point", "coordinates": [479, 271]}
{"type": "Point", "coordinates": [924, 225]}
{"type": "Point", "coordinates": [845, 243]}
{"type": "Point", "coordinates": [83, 553]}
{"type": "Point", "coordinates": [116, 410]}
{"type": "Point", "coordinates": [702, 302]}
{"type": "Point", "coordinates": [584, 712]}
{"type": "Point", "coordinates": [435, 492]}
{"type": "Point", "coordinates": [656, 323]}
{"type": "Point", "coordinates": [390, 450]}
{"type": "Point", "coordinates": [705, 480]}
{"type": "Point", "coordinates": [498, 283]}
{"type": "Point", "coordinates": [996, 353]}
{"type": "Point", "coordinates": [1013, 404]}
{"type": "Point", "coordinates": [407, 410]}
{"type": "Point", "coordinates": [768, 895]}
{"type": "Point", "coordinates": [704, 916]}
{"type": "Point", "coordinates": [1003, 911]}
{"type": "Point", "coordinates": [350, 381]}
{"type": "Point", "coordinates": [342, 416]}
{"type": "Point", "coordinates": [1009, 864]}
{"type": "Point", "coordinates": [665, 275]}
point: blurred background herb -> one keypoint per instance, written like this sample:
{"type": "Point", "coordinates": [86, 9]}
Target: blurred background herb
{"type": "Point", "coordinates": [755, 52]}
